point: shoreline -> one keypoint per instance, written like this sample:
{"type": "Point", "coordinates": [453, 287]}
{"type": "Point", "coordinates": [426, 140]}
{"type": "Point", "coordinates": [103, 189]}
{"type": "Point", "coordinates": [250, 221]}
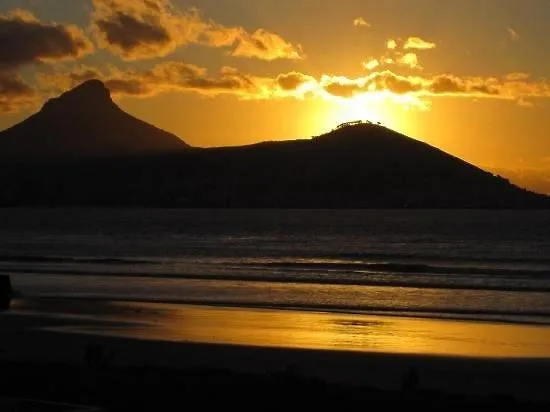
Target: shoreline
{"type": "Point", "coordinates": [148, 320]}
{"type": "Point", "coordinates": [285, 280]}
{"type": "Point", "coordinates": [47, 340]}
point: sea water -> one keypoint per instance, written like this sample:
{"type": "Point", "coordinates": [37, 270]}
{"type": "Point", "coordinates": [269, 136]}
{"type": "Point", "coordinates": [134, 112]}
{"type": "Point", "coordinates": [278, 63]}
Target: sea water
{"type": "Point", "coordinates": [475, 264]}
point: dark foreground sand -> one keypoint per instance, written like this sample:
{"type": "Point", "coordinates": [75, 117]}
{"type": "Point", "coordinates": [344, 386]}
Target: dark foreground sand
{"type": "Point", "coordinates": [48, 357]}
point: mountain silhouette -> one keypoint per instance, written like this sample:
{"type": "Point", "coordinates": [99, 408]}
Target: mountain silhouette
{"type": "Point", "coordinates": [83, 123]}
{"type": "Point", "coordinates": [112, 159]}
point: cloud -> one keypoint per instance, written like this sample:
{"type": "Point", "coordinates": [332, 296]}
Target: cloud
{"type": "Point", "coordinates": [294, 80]}
{"type": "Point", "coordinates": [378, 82]}
{"type": "Point", "coordinates": [371, 64]}
{"type": "Point", "coordinates": [155, 28]}
{"type": "Point", "coordinates": [266, 46]}
{"type": "Point", "coordinates": [341, 86]}
{"type": "Point", "coordinates": [514, 35]}
{"type": "Point", "coordinates": [25, 40]}
{"type": "Point", "coordinates": [447, 84]}
{"type": "Point", "coordinates": [183, 77]}
{"type": "Point", "coordinates": [416, 88]}
{"type": "Point", "coordinates": [409, 60]}
{"type": "Point", "coordinates": [143, 29]}
{"type": "Point", "coordinates": [361, 22]}
{"type": "Point", "coordinates": [15, 94]}
{"type": "Point", "coordinates": [391, 44]}
{"type": "Point", "coordinates": [517, 76]}
{"type": "Point", "coordinates": [418, 43]}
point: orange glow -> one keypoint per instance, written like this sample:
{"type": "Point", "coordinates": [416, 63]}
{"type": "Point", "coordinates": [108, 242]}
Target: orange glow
{"type": "Point", "coordinates": [374, 107]}
{"type": "Point", "coordinates": [333, 331]}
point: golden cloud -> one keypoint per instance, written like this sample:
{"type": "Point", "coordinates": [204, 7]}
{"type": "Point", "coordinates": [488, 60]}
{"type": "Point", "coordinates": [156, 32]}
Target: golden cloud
{"type": "Point", "coordinates": [183, 77]}
{"type": "Point", "coordinates": [409, 60]}
{"type": "Point", "coordinates": [371, 64]}
{"type": "Point", "coordinates": [418, 43]}
{"type": "Point", "coordinates": [514, 35]}
{"type": "Point", "coordinates": [391, 44]}
{"type": "Point", "coordinates": [517, 76]}
{"type": "Point", "coordinates": [417, 87]}
{"type": "Point", "coordinates": [152, 28]}
{"type": "Point", "coordinates": [360, 22]}
{"type": "Point", "coordinates": [266, 46]}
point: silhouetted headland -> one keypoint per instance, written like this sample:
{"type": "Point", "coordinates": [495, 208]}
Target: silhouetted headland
{"type": "Point", "coordinates": [83, 123]}
{"type": "Point", "coordinates": [82, 150]}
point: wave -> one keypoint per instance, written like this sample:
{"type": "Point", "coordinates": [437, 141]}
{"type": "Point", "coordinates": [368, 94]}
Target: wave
{"type": "Point", "coordinates": [441, 257]}
{"type": "Point", "coordinates": [412, 268]}
{"type": "Point", "coordinates": [73, 259]}
{"type": "Point", "coordinates": [440, 275]}
{"type": "Point", "coordinates": [290, 278]}
{"type": "Point", "coordinates": [299, 264]}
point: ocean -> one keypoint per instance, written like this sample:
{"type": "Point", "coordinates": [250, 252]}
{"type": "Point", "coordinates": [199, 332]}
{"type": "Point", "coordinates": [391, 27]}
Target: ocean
{"type": "Point", "coordinates": [465, 264]}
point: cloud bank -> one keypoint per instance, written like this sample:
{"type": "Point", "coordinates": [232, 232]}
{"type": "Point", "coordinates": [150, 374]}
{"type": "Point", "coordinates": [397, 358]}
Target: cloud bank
{"type": "Point", "coordinates": [384, 84]}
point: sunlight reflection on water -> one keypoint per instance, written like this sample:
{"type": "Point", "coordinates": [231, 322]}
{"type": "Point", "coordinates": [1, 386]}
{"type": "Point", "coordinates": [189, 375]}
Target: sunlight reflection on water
{"type": "Point", "coordinates": [317, 330]}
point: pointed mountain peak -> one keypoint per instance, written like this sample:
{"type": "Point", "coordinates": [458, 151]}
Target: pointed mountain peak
{"type": "Point", "coordinates": [90, 89]}
{"type": "Point", "coordinates": [92, 93]}
{"type": "Point", "coordinates": [84, 123]}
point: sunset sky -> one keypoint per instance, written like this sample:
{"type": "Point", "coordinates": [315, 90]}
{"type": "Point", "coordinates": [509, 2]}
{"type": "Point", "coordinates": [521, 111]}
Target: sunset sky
{"type": "Point", "coordinates": [471, 77]}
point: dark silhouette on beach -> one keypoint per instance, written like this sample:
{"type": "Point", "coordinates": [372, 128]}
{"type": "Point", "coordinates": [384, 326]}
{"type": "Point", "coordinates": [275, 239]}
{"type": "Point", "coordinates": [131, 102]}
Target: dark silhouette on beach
{"type": "Point", "coordinates": [82, 150]}
{"type": "Point", "coordinates": [6, 292]}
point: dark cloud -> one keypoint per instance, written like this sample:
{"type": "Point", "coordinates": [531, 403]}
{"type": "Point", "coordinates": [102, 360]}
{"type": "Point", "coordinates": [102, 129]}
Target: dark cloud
{"type": "Point", "coordinates": [14, 93]}
{"type": "Point", "coordinates": [25, 40]}
{"type": "Point", "coordinates": [397, 84]}
{"type": "Point", "coordinates": [136, 29]}
{"type": "Point", "coordinates": [345, 90]}
{"type": "Point", "coordinates": [293, 80]}
{"type": "Point", "coordinates": [128, 33]}
{"type": "Point", "coordinates": [449, 84]}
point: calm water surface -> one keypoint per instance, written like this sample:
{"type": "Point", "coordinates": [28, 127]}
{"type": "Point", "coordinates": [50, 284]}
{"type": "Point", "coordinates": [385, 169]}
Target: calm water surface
{"type": "Point", "coordinates": [485, 265]}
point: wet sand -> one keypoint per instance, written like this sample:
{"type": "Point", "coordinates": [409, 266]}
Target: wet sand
{"type": "Point", "coordinates": [484, 358]}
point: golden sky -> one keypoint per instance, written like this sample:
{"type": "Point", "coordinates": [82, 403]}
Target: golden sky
{"type": "Point", "coordinates": [469, 76]}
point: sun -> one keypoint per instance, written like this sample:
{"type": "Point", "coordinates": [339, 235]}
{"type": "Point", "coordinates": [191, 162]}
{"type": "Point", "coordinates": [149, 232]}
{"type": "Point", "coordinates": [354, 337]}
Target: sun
{"type": "Point", "coordinates": [360, 107]}
{"type": "Point", "coordinates": [394, 112]}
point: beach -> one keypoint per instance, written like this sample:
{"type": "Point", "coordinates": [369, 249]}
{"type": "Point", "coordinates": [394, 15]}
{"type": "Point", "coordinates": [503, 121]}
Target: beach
{"type": "Point", "coordinates": [58, 333]}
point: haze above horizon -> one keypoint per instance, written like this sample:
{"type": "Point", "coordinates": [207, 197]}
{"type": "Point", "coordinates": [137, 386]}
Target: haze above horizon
{"type": "Point", "coordinates": [468, 77]}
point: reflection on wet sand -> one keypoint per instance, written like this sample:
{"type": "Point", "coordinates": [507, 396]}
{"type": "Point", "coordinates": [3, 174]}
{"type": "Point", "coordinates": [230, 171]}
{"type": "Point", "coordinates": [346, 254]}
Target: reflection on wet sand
{"type": "Point", "coordinates": [316, 330]}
